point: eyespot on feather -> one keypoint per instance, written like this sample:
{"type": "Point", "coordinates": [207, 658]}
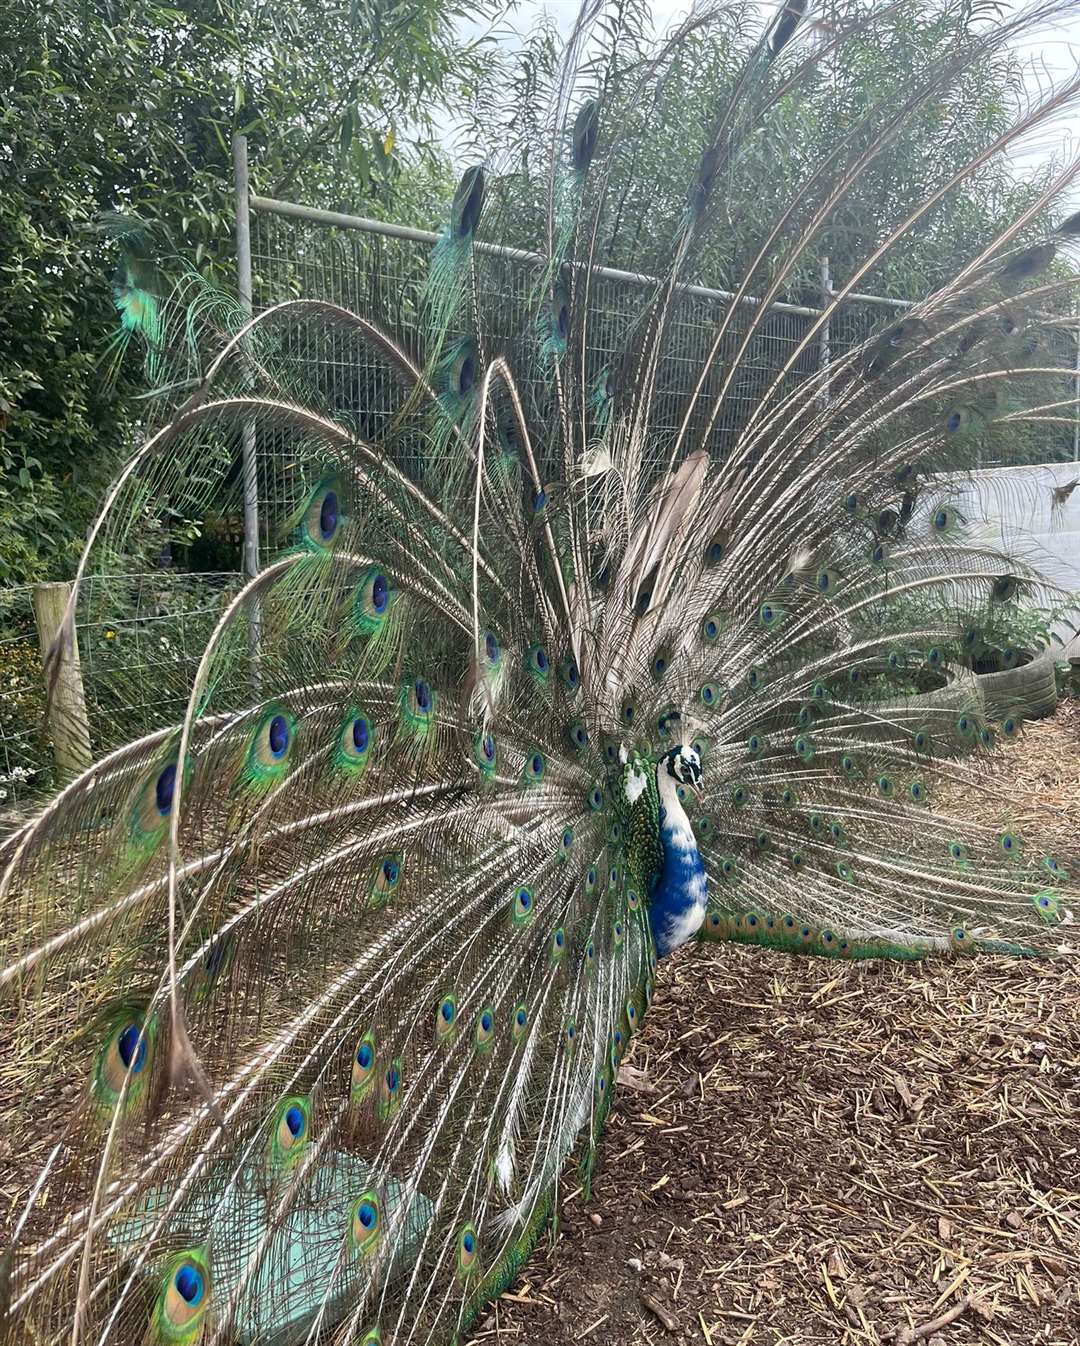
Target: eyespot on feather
{"type": "Point", "coordinates": [578, 735]}
{"type": "Point", "coordinates": [319, 523]}
{"type": "Point", "coordinates": [661, 662]}
{"type": "Point", "coordinates": [125, 1059]}
{"type": "Point", "coordinates": [532, 773]}
{"type": "Point", "coordinates": [148, 817]}
{"type": "Point", "coordinates": [373, 600]}
{"type": "Point", "coordinates": [183, 1300]}
{"type": "Point", "coordinates": [385, 879]}
{"type": "Point", "coordinates": [537, 664]}
{"type": "Point", "coordinates": [356, 739]}
{"type": "Point", "coordinates": [270, 748]}
{"type": "Point", "coordinates": [365, 1223]}
{"type": "Point", "coordinates": [446, 1019]}
{"type": "Point", "coordinates": [709, 694]}
{"type": "Point", "coordinates": [468, 1251]}
{"type": "Point", "coordinates": [490, 651]}
{"type": "Point", "coordinates": [363, 1068]}
{"type": "Point", "coordinates": [418, 701]}
{"type": "Point", "coordinates": [1048, 905]}
{"type": "Point", "coordinates": [523, 906]}
{"type": "Point", "coordinates": [485, 755]}
{"type": "Point", "coordinates": [484, 1034]}
{"type": "Point", "coordinates": [389, 1095]}
{"type": "Point", "coordinates": [289, 1132]}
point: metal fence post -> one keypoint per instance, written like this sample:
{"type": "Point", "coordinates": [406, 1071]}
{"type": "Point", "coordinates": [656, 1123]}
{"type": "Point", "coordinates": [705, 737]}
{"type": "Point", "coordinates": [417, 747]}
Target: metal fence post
{"type": "Point", "coordinates": [243, 284]}
{"type": "Point", "coordinates": [825, 353]}
{"type": "Point", "coordinates": [1076, 393]}
{"type": "Point", "coordinates": [250, 561]}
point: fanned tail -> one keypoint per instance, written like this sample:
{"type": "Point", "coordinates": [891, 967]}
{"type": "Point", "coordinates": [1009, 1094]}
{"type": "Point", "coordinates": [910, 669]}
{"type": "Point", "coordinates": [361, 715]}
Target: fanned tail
{"type": "Point", "coordinates": [319, 985]}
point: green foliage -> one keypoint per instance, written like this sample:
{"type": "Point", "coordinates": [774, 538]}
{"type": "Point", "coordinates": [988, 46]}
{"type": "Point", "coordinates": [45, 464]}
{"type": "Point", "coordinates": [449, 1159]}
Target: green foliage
{"type": "Point", "coordinates": [114, 106]}
{"type": "Point", "coordinates": [869, 74]}
{"type": "Point", "coordinates": [1007, 633]}
{"type": "Point", "coordinates": [24, 760]}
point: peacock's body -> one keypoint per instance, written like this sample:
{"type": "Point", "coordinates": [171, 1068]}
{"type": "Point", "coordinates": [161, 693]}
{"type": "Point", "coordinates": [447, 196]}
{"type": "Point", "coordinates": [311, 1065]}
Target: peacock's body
{"type": "Point", "coordinates": [310, 996]}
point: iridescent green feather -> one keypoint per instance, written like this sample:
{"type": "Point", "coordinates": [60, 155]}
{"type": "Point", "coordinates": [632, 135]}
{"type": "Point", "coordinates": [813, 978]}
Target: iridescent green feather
{"type": "Point", "coordinates": [451, 256]}
{"type": "Point", "coordinates": [125, 1061]}
{"type": "Point", "coordinates": [184, 1299]}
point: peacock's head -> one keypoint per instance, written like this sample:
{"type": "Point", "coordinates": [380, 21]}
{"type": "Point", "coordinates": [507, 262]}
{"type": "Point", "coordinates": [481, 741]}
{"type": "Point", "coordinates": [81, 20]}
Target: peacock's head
{"type": "Point", "coordinates": [683, 765]}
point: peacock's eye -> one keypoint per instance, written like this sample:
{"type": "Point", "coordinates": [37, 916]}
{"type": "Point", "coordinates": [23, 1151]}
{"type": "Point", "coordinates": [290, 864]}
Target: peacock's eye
{"type": "Point", "coordinates": [131, 1046]}
{"type": "Point", "coordinates": [189, 1284]}
{"type": "Point", "coordinates": [277, 735]}
{"type": "Point", "coordinates": [164, 788]}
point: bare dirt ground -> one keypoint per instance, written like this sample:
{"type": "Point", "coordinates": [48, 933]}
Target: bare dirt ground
{"type": "Point", "coordinates": [806, 1151]}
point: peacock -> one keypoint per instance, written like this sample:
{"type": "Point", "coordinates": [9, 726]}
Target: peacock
{"type": "Point", "coordinates": [311, 994]}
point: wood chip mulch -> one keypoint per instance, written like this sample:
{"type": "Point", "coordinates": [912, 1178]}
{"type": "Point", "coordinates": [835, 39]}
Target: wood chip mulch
{"type": "Point", "coordinates": [804, 1151]}
{"type": "Point", "coordinates": [1031, 785]}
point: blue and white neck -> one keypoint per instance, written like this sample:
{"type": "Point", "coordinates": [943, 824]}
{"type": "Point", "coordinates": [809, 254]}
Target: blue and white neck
{"type": "Point", "coordinates": [677, 900]}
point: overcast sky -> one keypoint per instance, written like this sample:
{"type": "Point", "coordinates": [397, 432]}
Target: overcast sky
{"type": "Point", "coordinates": [1054, 41]}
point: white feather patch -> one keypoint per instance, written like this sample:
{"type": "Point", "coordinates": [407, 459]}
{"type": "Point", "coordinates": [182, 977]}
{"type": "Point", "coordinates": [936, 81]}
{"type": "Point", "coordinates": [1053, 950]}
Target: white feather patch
{"type": "Point", "coordinates": [635, 783]}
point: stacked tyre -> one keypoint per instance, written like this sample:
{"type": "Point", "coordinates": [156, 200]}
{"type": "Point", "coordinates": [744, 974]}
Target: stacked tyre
{"type": "Point", "coordinates": [1029, 689]}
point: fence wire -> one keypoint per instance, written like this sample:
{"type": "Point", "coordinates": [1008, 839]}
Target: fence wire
{"type": "Point", "coordinates": [140, 637]}
{"type": "Point", "coordinates": [382, 278]}
{"type": "Point", "coordinates": [140, 640]}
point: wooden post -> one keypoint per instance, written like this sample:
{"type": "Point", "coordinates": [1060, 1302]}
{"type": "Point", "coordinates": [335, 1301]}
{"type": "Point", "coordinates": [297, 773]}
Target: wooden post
{"type": "Point", "coordinates": [66, 718]}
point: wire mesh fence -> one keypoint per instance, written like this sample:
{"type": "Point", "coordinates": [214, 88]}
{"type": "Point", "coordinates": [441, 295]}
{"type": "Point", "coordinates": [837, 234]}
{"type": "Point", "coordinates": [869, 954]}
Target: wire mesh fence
{"type": "Point", "coordinates": [140, 639]}
{"type": "Point", "coordinates": [382, 277]}
{"type": "Point", "coordinates": [377, 273]}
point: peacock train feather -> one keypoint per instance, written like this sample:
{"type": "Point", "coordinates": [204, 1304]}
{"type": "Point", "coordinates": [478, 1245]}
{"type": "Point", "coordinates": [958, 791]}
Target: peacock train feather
{"type": "Point", "coordinates": [313, 992]}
